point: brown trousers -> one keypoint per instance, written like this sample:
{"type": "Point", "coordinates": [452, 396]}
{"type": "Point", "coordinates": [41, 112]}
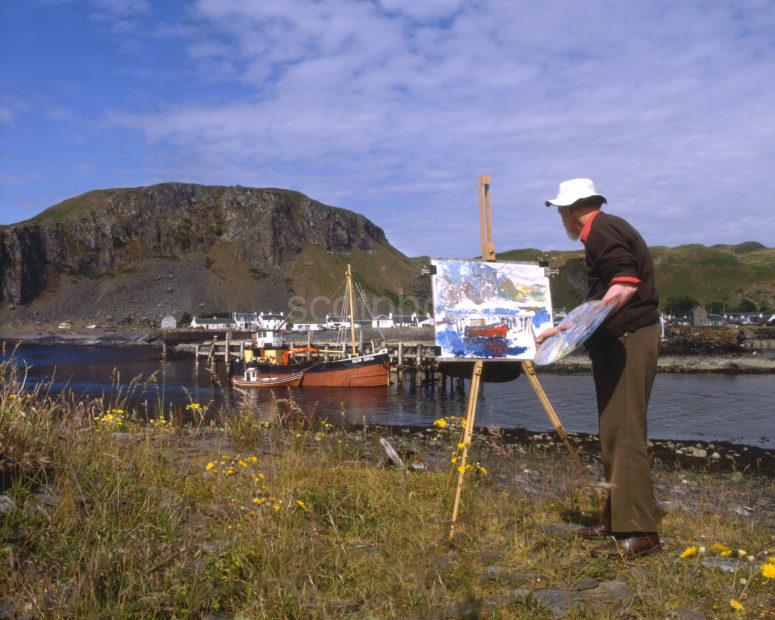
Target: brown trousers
{"type": "Point", "coordinates": [624, 370]}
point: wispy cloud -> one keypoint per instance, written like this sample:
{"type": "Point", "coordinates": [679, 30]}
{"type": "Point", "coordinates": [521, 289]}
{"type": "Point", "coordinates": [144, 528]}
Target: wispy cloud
{"type": "Point", "coordinates": [384, 106]}
{"type": "Point", "coordinates": [394, 107]}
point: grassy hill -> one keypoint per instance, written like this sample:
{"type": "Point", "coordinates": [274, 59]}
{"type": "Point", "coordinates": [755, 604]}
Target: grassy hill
{"type": "Point", "coordinates": [719, 274]}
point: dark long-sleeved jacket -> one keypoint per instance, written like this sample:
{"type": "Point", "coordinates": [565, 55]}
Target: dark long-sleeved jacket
{"type": "Point", "coordinates": [615, 252]}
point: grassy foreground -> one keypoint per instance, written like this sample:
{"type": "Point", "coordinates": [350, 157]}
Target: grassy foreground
{"type": "Point", "coordinates": [286, 517]}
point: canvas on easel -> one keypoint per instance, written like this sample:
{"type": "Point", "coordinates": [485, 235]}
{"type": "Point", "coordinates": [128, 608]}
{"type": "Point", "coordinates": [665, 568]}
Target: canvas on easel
{"type": "Point", "coordinates": [489, 310]}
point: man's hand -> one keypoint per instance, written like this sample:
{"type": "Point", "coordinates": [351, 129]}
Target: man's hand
{"type": "Point", "coordinates": [552, 331]}
{"type": "Point", "coordinates": [618, 295]}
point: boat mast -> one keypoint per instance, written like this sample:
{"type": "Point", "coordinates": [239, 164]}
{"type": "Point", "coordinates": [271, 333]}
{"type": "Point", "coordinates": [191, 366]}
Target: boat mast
{"type": "Point", "coordinates": [352, 307]}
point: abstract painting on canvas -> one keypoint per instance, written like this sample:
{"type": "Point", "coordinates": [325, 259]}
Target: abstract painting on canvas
{"type": "Point", "coordinates": [489, 310]}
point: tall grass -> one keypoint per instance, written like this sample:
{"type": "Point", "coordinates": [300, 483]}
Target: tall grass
{"type": "Point", "coordinates": [271, 514]}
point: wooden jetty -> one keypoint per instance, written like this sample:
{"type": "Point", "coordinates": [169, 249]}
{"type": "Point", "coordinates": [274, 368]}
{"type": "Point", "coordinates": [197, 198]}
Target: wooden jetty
{"type": "Point", "coordinates": [412, 360]}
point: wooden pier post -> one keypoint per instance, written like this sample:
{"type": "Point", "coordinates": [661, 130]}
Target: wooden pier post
{"type": "Point", "coordinates": [400, 361]}
{"type": "Point", "coordinates": [226, 353]}
{"type": "Point", "coordinates": [309, 344]}
{"type": "Point", "coordinates": [211, 355]}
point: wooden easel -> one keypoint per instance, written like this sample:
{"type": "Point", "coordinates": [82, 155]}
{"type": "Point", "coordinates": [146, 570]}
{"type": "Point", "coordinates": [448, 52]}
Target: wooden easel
{"type": "Point", "coordinates": [488, 254]}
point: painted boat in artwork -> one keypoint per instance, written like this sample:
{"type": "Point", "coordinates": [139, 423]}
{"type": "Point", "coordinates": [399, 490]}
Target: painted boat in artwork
{"type": "Point", "coordinates": [253, 378]}
{"type": "Point", "coordinates": [493, 330]}
{"type": "Point", "coordinates": [361, 371]}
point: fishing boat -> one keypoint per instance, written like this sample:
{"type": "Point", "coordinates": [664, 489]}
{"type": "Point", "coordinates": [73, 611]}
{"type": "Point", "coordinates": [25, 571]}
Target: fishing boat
{"type": "Point", "coordinates": [370, 370]}
{"type": "Point", "coordinates": [253, 378]}
{"type": "Point", "coordinates": [493, 330]}
{"type": "Point", "coordinates": [355, 371]}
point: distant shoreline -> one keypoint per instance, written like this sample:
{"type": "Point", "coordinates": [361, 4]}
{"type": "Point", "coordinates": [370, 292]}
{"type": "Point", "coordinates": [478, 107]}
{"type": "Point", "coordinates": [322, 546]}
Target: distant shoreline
{"type": "Point", "coordinates": [700, 363]}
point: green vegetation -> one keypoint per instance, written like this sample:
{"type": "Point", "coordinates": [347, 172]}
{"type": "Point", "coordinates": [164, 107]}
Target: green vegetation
{"type": "Point", "coordinates": [281, 516]}
{"type": "Point", "coordinates": [735, 277]}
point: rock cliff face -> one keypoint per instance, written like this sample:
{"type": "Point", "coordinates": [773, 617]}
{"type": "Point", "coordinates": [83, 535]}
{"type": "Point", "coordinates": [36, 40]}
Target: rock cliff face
{"type": "Point", "coordinates": [172, 238]}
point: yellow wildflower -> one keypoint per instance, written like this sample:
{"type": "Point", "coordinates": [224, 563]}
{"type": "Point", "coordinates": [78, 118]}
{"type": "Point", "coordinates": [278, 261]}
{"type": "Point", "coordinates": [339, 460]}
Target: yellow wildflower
{"type": "Point", "coordinates": [481, 469]}
{"type": "Point", "coordinates": [258, 500]}
{"type": "Point", "coordinates": [302, 505]}
{"type": "Point", "coordinates": [210, 466]}
{"type": "Point", "coordinates": [462, 445]}
{"type": "Point", "coordinates": [242, 463]}
{"type": "Point", "coordinates": [230, 471]}
{"type": "Point", "coordinates": [768, 570]}
{"type": "Point", "coordinates": [719, 548]}
{"type": "Point", "coordinates": [276, 507]}
{"type": "Point", "coordinates": [735, 604]}
{"type": "Point", "coordinates": [441, 423]}
{"type": "Point", "coordinates": [453, 460]}
{"type": "Point", "coordinates": [688, 552]}
{"type": "Point", "coordinates": [726, 553]}
{"type": "Point", "coordinates": [460, 469]}
{"type": "Point", "coordinates": [252, 459]}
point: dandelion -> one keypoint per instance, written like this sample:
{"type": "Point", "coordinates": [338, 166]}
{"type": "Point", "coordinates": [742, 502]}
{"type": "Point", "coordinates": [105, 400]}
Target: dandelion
{"type": "Point", "coordinates": [252, 459]}
{"type": "Point", "coordinates": [462, 445]}
{"type": "Point", "coordinates": [718, 548]}
{"type": "Point", "coordinates": [302, 505]}
{"type": "Point", "coordinates": [460, 469]}
{"type": "Point", "coordinates": [210, 466]}
{"type": "Point", "coordinates": [276, 507]}
{"type": "Point", "coordinates": [242, 463]}
{"type": "Point", "coordinates": [230, 471]}
{"type": "Point", "coordinates": [768, 570]}
{"type": "Point", "coordinates": [441, 423]}
{"type": "Point", "coordinates": [736, 605]}
{"type": "Point", "coordinates": [688, 552]}
{"type": "Point", "coordinates": [258, 500]}
{"type": "Point", "coordinates": [726, 553]}
{"type": "Point", "coordinates": [481, 469]}
{"type": "Point", "coordinates": [453, 460]}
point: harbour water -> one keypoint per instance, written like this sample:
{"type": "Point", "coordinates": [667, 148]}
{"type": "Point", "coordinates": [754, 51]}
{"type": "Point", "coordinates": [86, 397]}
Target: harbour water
{"type": "Point", "coordinates": [708, 407]}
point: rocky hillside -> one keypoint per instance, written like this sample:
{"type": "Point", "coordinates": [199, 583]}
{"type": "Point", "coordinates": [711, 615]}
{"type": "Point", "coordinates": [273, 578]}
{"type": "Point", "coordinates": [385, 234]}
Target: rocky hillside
{"type": "Point", "coordinates": [134, 255]}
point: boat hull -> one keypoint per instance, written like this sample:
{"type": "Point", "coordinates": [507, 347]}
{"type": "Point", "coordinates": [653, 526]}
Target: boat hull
{"type": "Point", "coordinates": [270, 381]}
{"type": "Point", "coordinates": [496, 330]}
{"type": "Point", "coordinates": [363, 371]}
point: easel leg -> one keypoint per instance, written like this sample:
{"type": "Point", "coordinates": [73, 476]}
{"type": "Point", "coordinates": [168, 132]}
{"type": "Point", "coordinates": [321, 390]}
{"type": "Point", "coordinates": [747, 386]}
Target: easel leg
{"type": "Point", "coordinates": [530, 371]}
{"type": "Point", "coordinates": [467, 433]}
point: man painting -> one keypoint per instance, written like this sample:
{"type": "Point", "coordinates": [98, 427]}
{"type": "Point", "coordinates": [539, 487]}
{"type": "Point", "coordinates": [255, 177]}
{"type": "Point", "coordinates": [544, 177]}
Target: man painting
{"type": "Point", "coordinates": [624, 354]}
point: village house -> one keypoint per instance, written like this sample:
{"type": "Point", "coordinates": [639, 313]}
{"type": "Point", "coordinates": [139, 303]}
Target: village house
{"type": "Point", "coordinates": [215, 322]}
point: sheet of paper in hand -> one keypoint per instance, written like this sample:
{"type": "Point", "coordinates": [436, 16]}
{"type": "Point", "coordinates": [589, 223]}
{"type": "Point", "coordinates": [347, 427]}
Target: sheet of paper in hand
{"type": "Point", "coordinates": [583, 321]}
{"type": "Point", "coordinates": [489, 310]}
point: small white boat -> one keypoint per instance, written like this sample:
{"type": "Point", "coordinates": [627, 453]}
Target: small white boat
{"type": "Point", "coordinates": [252, 378]}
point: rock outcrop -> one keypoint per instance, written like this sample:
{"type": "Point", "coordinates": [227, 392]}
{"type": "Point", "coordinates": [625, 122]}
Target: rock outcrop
{"type": "Point", "coordinates": [177, 235]}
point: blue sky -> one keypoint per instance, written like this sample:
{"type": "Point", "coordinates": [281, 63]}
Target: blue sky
{"type": "Point", "coordinates": [392, 108]}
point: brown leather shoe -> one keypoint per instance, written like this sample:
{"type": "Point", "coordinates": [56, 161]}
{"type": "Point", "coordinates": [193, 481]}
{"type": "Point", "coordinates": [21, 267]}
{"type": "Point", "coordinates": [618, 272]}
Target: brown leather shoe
{"type": "Point", "coordinates": [599, 530]}
{"type": "Point", "coordinates": [631, 547]}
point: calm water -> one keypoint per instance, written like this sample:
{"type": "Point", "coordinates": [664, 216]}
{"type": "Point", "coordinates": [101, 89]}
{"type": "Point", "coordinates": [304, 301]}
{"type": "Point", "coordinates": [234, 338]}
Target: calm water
{"type": "Point", "coordinates": [739, 409]}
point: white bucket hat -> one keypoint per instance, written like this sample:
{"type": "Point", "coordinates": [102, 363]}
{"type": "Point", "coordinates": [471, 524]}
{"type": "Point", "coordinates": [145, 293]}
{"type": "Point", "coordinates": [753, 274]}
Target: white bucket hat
{"type": "Point", "coordinates": [573, 190]}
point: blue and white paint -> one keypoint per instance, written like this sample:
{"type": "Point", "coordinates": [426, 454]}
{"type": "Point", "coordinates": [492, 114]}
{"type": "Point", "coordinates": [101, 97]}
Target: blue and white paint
{"type": "Point", "coordinates": [489, 310]}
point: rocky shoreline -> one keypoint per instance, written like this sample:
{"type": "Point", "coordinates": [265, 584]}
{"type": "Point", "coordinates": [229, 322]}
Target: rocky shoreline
{"type": "Point", "coordinates": [723, 363]}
